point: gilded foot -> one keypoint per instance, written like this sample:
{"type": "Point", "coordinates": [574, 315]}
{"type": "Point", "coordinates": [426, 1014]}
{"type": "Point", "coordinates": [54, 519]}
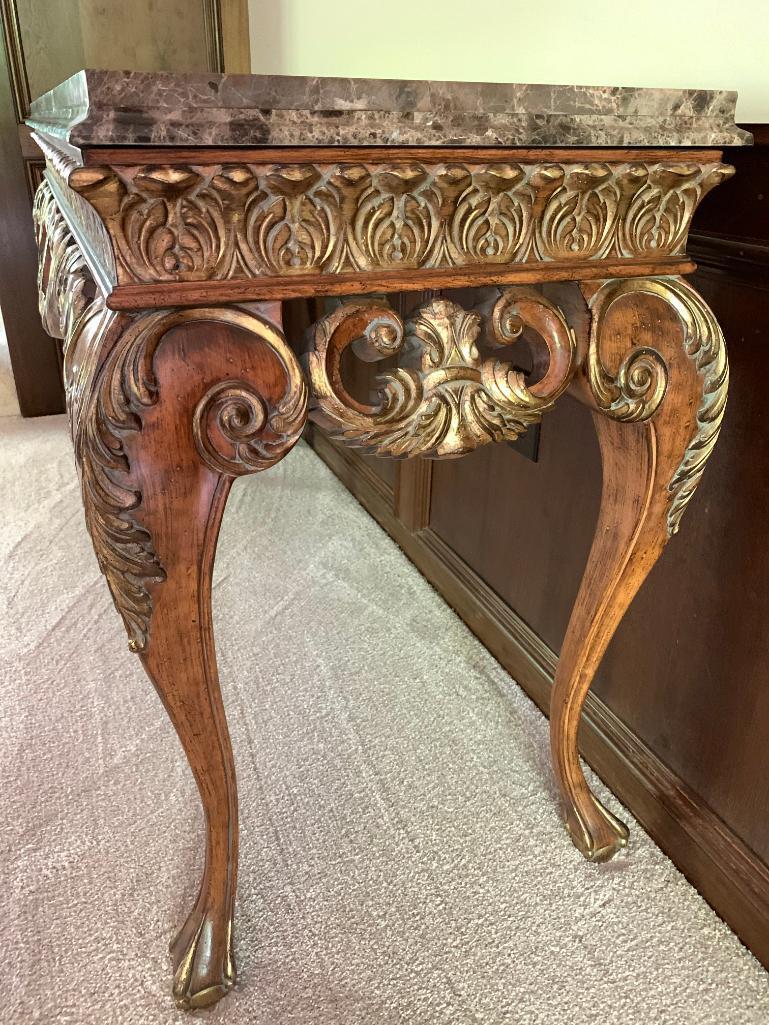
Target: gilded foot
{"type": "Point", "coordinates": [204, 968]}
{"type": "Point", "coordinates": [596, 833]}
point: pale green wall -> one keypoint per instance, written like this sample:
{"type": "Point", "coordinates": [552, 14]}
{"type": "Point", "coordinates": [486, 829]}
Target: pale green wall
{"type": "Point", "coordinates": [702, 44]}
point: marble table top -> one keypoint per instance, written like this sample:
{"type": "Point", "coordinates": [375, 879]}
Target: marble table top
{"type": "Point", "coordinates": [132, 108]}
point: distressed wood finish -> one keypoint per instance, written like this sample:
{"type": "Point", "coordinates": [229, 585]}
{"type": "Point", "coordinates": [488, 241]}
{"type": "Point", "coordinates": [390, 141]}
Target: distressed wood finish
{"type": "Point", "coordinates": [160, 270]}
{"type": "Point", "coordinates": [166, 409]}
{"type": "Point", "coordinates": [657, 419]}
{"type": "Point", "coordinates": [233, 220]}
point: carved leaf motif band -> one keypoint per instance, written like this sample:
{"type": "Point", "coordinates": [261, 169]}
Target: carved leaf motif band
{"type": "Point", "coordinates": [213, 222]}
{"type": "Point", "coordinates": [452, 399]}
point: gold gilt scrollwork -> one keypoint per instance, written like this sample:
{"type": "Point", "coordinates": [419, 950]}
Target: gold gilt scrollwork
{"type": "Point", "coordinates": [638, 387]}
{"type": "Point", "coordinates": [236, 430]}
{"type": "Point", "coordinates": [450, 399]}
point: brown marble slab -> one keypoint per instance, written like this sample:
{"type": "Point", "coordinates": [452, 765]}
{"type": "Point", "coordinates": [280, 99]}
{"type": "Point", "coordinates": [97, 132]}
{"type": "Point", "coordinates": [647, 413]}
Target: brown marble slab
{"type": "Point", "coordinates": [133, 108]}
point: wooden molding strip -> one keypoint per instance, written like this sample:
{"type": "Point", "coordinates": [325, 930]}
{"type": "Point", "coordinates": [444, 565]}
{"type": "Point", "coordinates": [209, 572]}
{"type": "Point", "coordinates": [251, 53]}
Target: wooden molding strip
{"type": "Point", "coordinates": [733, 880]}
{"type": "Point", "coordinates": [195, 293]}
{"type": "Point", "coordinates": [413, 490]}
{"type": "Point", "coordinates": [125, 156]}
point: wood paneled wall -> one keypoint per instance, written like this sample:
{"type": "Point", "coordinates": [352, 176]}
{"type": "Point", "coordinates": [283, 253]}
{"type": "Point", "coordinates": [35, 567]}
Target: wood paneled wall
{"type": "Point", "coordinates": [678, 722]}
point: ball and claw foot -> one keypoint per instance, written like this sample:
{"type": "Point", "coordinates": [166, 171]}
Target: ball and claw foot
{"type": "Point", "coordinates": [599, 835]}
{"type": "Point", "coordinates": [204, 968]}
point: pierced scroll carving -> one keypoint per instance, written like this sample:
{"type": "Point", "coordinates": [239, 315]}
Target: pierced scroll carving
{"type": "Point", "coordinates": [450, 399]}
{"type": "Point", "coordinates": [218, 221]}
{"type": "Point", "coordinates": [640, 384]}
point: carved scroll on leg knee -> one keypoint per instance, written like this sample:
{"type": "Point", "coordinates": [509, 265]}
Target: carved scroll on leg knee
{"type": "Point", "coordinates": [658, 411]}
{"type": "Point", "coordinates": [185, 401]}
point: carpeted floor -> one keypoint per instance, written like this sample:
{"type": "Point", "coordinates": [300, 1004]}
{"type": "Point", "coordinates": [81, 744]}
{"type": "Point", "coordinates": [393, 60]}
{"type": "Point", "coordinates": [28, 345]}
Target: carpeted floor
{"type": "Point", "coordinates": [402, 858]}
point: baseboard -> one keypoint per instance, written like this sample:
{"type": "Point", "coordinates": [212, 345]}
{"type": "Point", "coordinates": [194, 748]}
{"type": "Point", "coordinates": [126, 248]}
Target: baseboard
{"type": "Point", "coordinates": [728, 874]}
{"type": "Point", "coordinates": [745, 261]}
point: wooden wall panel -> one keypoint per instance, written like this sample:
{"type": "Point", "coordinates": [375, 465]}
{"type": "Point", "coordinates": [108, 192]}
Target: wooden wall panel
{"type": "Point", "coordinates": [543, 513]}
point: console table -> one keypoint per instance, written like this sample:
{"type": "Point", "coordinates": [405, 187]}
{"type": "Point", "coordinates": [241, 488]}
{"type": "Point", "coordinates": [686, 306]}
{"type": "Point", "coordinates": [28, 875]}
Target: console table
{"type": "Point", "coordinates": [178, 211]}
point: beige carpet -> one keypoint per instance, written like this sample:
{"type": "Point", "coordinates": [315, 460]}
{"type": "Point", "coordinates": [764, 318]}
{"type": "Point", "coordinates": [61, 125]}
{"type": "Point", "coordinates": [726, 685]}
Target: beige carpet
{"type": "Point", "coordinates": [402, 858]}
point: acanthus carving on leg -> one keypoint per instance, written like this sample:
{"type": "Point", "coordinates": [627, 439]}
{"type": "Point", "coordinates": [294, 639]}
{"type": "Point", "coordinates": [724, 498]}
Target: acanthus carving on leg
{"type": "Point", "coordinates": [165, 434]}
{"type": "Point", "coordinates": [447, 399]}
{"type": "Point", "coordinates": [161, 428]}
{"type": "Point", "coordinates": [71, 307]}
{"type": "Point", "coordinates": [126, 386]}
{"type": "Point", "coordinates": [658, 413]}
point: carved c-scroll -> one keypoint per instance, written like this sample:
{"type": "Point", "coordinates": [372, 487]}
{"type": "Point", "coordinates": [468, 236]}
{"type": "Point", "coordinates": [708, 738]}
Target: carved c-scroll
{"type": "Point", "coordinates": [639, 387]}
{"type": "Point", "coordinates": [236, 431]}
{"type": "Point", "coordinates": [450, 399]}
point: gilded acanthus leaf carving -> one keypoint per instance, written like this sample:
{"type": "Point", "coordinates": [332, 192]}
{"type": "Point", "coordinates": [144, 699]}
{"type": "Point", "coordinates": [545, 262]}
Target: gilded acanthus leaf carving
{"type": "Point", "coordinates": [290, 224]}
{"type": "Point", "coordinates": [124, 548]}
{"type": "Point", "coordinates": [450, 399]}
{"type": "Point", "coordinates": [659, 213]}
{"type": "Point", "coordinates": [247, 433]}
{"type": "Point", "coordinates": [704, 344]}
{"type": "Point", "coordinates": [172, 227]}
{"type": "Point", "coordinates": [211, 222]}
{"type": "Point", "coordinates": [236, 429]}
{"type": "Point", "coordinates": [71, 308]}
{"type": "Point", "coordinates": [493, 217]}
{"type": "Point", "coordinates": [637, 390]}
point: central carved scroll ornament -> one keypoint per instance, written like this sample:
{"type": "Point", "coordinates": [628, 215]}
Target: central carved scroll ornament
{"type": "Point", "coordinates": [447, 399]}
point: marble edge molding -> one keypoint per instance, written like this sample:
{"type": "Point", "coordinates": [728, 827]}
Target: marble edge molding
{"type": "Point", "coordinates": [142, 108]}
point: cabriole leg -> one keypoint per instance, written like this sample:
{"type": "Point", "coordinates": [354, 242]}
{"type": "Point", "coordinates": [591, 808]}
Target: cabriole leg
{"type": "Point", "coordinates": [185, 401]}
{"type": "Point", "coordinates": [658, 412]}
